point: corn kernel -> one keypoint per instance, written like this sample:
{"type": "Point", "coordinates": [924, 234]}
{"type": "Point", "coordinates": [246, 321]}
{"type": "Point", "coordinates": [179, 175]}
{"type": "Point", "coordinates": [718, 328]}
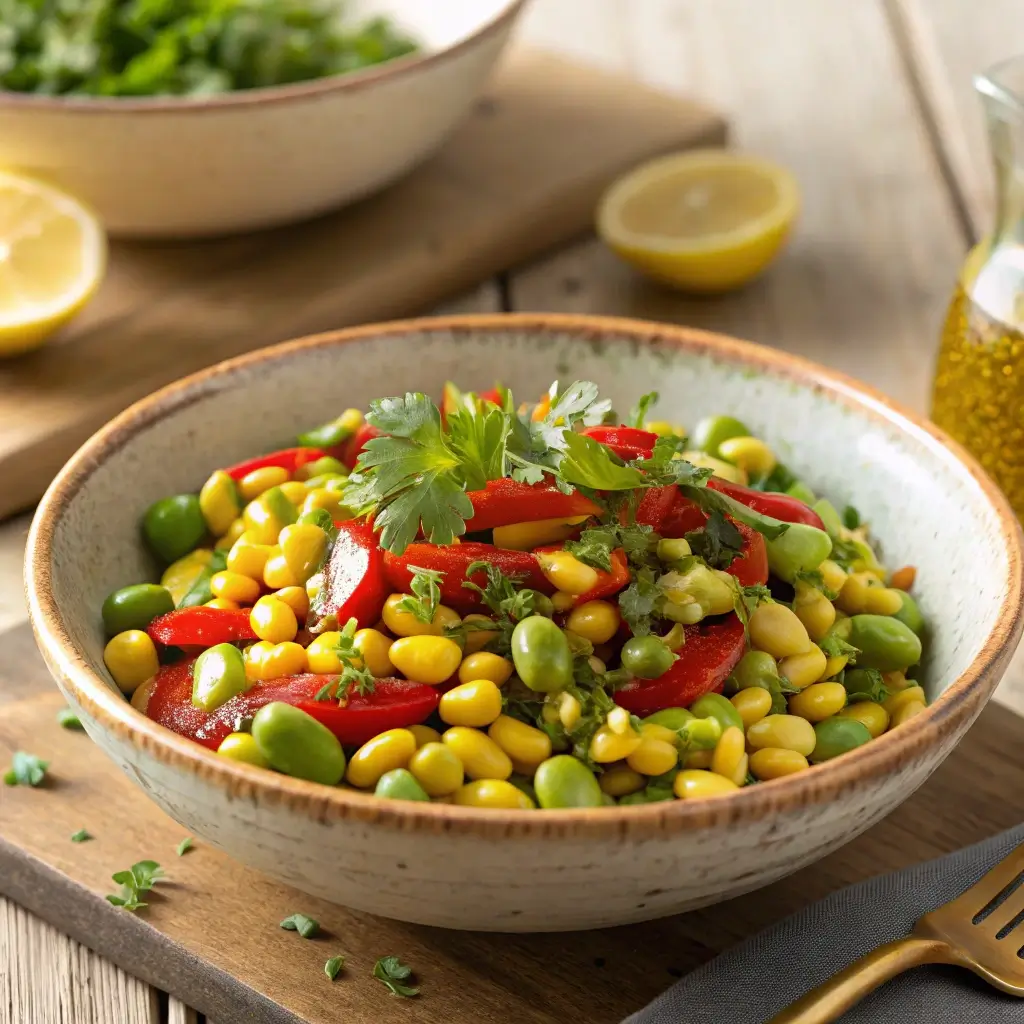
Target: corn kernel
{"type": "Point", "coordinates": [426, 659]}
{"type": "Point", "coordinates": [476, 703]}
{"type": "Point", "coordinates": [435, 767]}
{"type": "Point", "coordinates": [277, 574]}
{"type": "Point", "coordinates": [751, 454]}
{"type": "Point", "coordinates": [495, 793]}
{"type": "Point", "coordinates": [871, 715]}
{"type": "Point", "coordinates": [527, 536]}
{"type": "Point", "coordinates": [526, 745]}
{"type": "Point", "coordinates": [240, 746]}
{"type": "Point", "coordinates": [481, 757]}
{"type": "Point", "coordinates": [596, 621]}
{"type": "Point", "coordinates": [753, 704]}
{"type": "Point", "coordinates": [285, 659]}
{"type": "Point", "coordinates": [321, 654]}
{"type": "Point", "coordinates": [234, 586]}
{"type": "Point", "coordinates": [384, 753]}
{"type": "Point", "coordinates": [621, 780]}
{"type": "Point", "coordinates": [607, 745]}
{"type": "Point", "coordinates": [566, 572]}
{"type": "Point", "coordinates": [653, 756]}
{"type": "Point", "coordinates": [403, 623]}
{"type": "Point", "coordinates": [223, 603]}
{"type": "Point", "coordinates": [254, 483]}
{"type": "Point", "coordinates": [776, 630]}
{"type": "Point", "coordinates": [776, 762]}
{"type": "Point", "coordinates": [693, 784]}
{"type": "Point", "coordinates": [295, 491]}
{"type": "Point", "coordinates": [375, 648]}
{"type": "Point", "coordinates": [804, 669]}
{"type": "Point", "coordinates": [131, 659]}
{"type": "Point", "coordinates": [484, 665]}
{"type": "Point", "coordinates": [218, 501]}
{"type": "Point", "coordinates": [297, 599]}
{"type": "Point", "coordinates": [249, 559]}
{"type": "Point", "coordinates": [729, 758]}
{"type": "Point", "coordinates": [424, 735]}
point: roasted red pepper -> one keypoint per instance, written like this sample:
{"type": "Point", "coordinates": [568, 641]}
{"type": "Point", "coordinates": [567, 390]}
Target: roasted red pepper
{"type": "Point", "coordinates": [348, 451]}
{"type": "Point", "coordinates": [768, 503]}
{"type": "Point", "coordinates": [354, 583]}
{"type": "Point", "coordinates": [656, 505]}
{"type": "Point", "coordinates": [287, 458]}
{"type": "Point", "coordinates": [627, 442]}
{"type": "Point", "coordinates": [454, 560]}
{"type": "Point", "coordinates": [709, 654]}
{"type": "Point", "coordinates": [201, 627]}
{"type": "Point", "coordinates": [506, 501]}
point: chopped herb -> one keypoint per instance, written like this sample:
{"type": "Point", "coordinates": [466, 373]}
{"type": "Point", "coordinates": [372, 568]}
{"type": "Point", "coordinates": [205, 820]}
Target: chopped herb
{"type": "Point", "coordinates": [302, 924]}
{"type": "Point", "coordinates": [719, 543]}
{"type": "Point", "coordinates": [184, 846]}
{"type": "Point", "coordinates": [334, 966]}
{"type": "Point", "coordinates": [710, 500]}
{"type": "Point", "coordinates": [595, 547]}
{"type": "Point", "coordinates": [426, 594]}
{"type": "Point", "coordinates": [394, 974]}
{"type": "Point", "coordinates": [814, 578]}
{"type": "Point", "coordinates": [26, 770]}
{"type": "Point", "coordinates": [851, 518]}
{"type": "Point", "coordinates": [834, 646]}
{"type": "Point", "coordinates": [500, 596]}
{"type": "Point", "coordinates": [638, 602]}
{"type": "Point", "coordinates": [139, 878]}
{"type": "Point", "coordinates": [845, 552]}
{"type": "Point", "coordinates": [779, 480]}
{"type": "Point", "coordinates": [638, 414]}
{"type": "Point", "coordinates": [67, 719]}
{"type": "Point", "coordinates": [864, 684]}
{"type": "Point", "coordinates": [588, 463]}
{"type": "Point", "coordinates": [81, 836]}
{"type": "Point", "coordinates": [353, 672]}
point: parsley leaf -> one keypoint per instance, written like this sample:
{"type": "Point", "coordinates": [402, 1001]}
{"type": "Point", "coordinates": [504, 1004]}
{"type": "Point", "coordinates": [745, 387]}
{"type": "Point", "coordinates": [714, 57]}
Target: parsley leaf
{"type": "Point", "coordinates": [184, 846]}
{"type": "Point", "coordinates": [595, 547]}
{"type": "Point", "coordinates": [139, 878]}
{"type": "Point", "coordinates": [638, 414]}
{"type": "Point", "coordinates": [334, 966]}
{"type": "Point", "coordinates": [500, 596]}
{"type": "Point", "coordinates": [834, 646]}
{"type": "Point", "coordinates": [426, 594]}
{"type": "Point", "coordinates": [81, 836]}
{"type": "Point", "coordinates": [353, 673]}
{"type": "Point", "coordinates": [392, 973]}
{"type": "Point", "coordinates": [67, 719]}
{"type": "Point", "coordinates": [302, 924]}
{"type": "Point", "coordinates": [588, 463]}
{"type": "Point", "coordinates": [478, 438]}
{"type": "Point", "coordinates": [863, 684]}
{"type": "Point", "coordinates": [718, 542]}
{"type": "Point", "coordinates": [25, 770]}
{"type": "Point", "coordinates": [638, 601]}
{"type": "Point", "coordinates": [711, 500]}
{"type": "Point", "coordinates": [814, 578]}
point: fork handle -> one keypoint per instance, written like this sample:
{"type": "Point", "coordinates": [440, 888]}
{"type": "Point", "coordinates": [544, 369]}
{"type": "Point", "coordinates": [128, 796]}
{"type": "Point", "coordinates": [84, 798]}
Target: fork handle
{"type": "Point", "coordinates": [833, 998]}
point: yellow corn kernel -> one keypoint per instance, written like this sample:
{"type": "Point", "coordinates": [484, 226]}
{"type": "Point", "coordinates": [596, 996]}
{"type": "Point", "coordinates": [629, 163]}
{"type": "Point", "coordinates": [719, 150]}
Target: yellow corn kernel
{"type": "Point", "coordinates": [901, 698]}
{"type": "Point", "coordinates": [384, 753]}
{"type": "Point", "coordinates": [223, 603]}
{"type": "Point", "coordinates": [562, 601]}
{"type": "Point", "coordinates": [271, 619]}
{"type": "Point", "coordinates": [775, 629]}
{"type": "Point", "coordinates": [435, 767]}
{"type": "Point", "coordinates": [321, 654]}
{"type": "Point", "coordinates": [723, 470]}
{"type": "Point", "coordinates": [833, 575]}
{"type": "Point", "coordinates": [277, 574]}
{"type": "Point", "coordinates": [295, 491]}
{"type": "Point", "coordinates": [403, 623]}
{"type": "Point", "coordinates": [907, 711]}
{"type": "Point", "coordinates": [619, 721]}
{"type": "Point", "coordinates": [621, 780]}
{"type": "Point", "coordinates": [478, 639]}
{"type": "Point", "coordinates": [653, 756]}
{"type": "Point", "coordinates": [285, 659]}
{"type": "Point", "coordinates": [818, 702]}
{"type": "Point", "coordinates": [658, 732]}
{"type": "Point", "coordinates": [375, 648]}
{"type": "Point", "coordinates": [323, 497]}
{"type": "Point", "coordinates": [787, 731]}
{"type": "Point", "coordinates": [526, 745]}
{"type": "Point", "coordinates": [254, 657]}
{"type": "Point", "coordinates": [753, 704]}
{"type": "Point", "coordinates": [481, 757]}
{"type": "Point", "coordinates": [231, 535]}
{"type": "Point", "coordinates": [218, 501]}
{"type": "Point", "coordinates": [493, 793]}
{"type": "Point", "coordinates": [751, 454]}
{"type": "Point", "coordinates": [131, 659]}
{"type": "Point", "coordinates": [806, 668]}
{"type": "Point", "coordinates": [477, 703]}
{"type": "Point", "coordinates": [814, 610]}
{"type": "Point", "coordinates": [665, 429]}
{"type": "Point", "coordinates": [303, 546]}
{"type": "Point", "coordinates": [596, 621]}
{"type": "Point", "coordinates": [297, 599]}
{"type": "Point", "coordinates": [853, 598]}
{"type": "Point", "coordinates": [484, 665]}
{"type": "Point", "coordinates": [249, 559]}
{"type": "Point", "coordinates": [527, 536]}
{"type": "Point", "coordinates": [261, 524]}
{"type": "Point", "coordinates": [350, 420]}
{"type": "Point", "coordinates": [253, 484]}
{"type": "Point", "coordinates": [179, 576]}
{"type": "Point", "coordinates": [833, 666]}
{"type": "Point", "coordinates": [426, 659]}
{"type": "Point", "coordinates": [883, 601]}
{"type": "Point", "coordinates": [234, 586]}
{"type": "Point", "coordinates": [240, 746]}
{"type": "Point", "coordinates": [903, 579]}
{"type": "Point", "coordinates": [695, 784]}
{"type": "Point", "coordinates": [566, 572]}
{"type": "Point", "coordinates": [698, 758]}
{"type": "Point", "coordinates": [569, 710]}
{"type": "Point", "coordinates": [896, 681]}
{"type": "Point", "coordinates": [607, 745]}
{"type": "Point", "coordinates": [775, 762]}
{"type": "Point", "coordinates": [871, 715]}
{"type": "Point", "coordinates": [729, 758]}
{"type": "Point", "coordinates": [424, 735]}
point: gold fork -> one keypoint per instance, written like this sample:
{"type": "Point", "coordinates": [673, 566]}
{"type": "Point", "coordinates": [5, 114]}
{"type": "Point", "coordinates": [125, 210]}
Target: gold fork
{"type": "Point", "coordinates": [980, 930]}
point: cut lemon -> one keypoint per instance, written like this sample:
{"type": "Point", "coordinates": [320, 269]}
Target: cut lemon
{"type": "Point", "coordinates": [703, 221]}
{"type": "Point", "coordinates": [52, 256]}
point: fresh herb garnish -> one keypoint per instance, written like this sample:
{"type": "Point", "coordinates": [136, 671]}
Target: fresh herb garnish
{"type": "Point", "coordinates": [596, 544]}
{"type": "Point", "coordinates": [394, 974]}
{"type": "Point", "coordinates": [302, 924]}
{"type": "Point", "coordinates": [184, 846]}
{"type": "Point", "coordinates": [138, 879]}
{"type": "Point", "coordinates": [353, 671]}
{"type": "Point", "coordinates": [25, 770]}
{"type": "Point", "coordinates": [864, 684]}
{"type": "Point", "coordinates": [67, 719]}
{"type": "Point", "coordinates": [334, 966]}
{"type": "Point", "coordinates": [814, 578]}
{"type": "Point", "coordinates": [638, 414]}
{"type": "Point", "coordinates": [718, 542]}
{"type": "Point", "coordinates": [81, 836]}
{"type": "Point", "coordinates": [834, 646]}
{"type": "Point", "coordinates": [426, 594]}
{"type": "Point", "coordinates": [638, 602]}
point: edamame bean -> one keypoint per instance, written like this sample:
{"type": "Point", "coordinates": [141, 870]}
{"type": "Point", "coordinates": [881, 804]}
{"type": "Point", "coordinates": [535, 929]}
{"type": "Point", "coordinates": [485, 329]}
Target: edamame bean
{"type": "Point", "coordinates": [649, 795]}
{"type": "Point", "coordinates": [670, 718]}
{"type": "Point", "coordinates": [297, 744]}
{"type": "Point", "coordinates": [909, 614]}
{"type": "Point", "coordinates": [174, 526]}
{"type": "Point", "coordinates": [135, 607]}
{"type": "Point", "coordinates": [801, 492]}
{"type": "Point", "coordinates": [714, 705]}
{"type": "Point", "coordinates": [646, 657]}
{"type": "Point", "coordinates": [217, 676]}
{"type": "Point", "coordinates": [711, 431]}
{"type": "Point", "coordinates": [756, 668]}
{"type": "Point", "coordinates": [541, 654]}
{"type": "Point", "coordinates": [836, 736]}
{"type": "Point", "coordinates": [562, 781]}
{"type": "Point", "coordinates": [399, 784]}
{"type": "Point", "coordinates": [829, 516]}
{"type": "Point", "coordinates": [802, 548]}
{"type": "Point", "coordinates": [884, 642]}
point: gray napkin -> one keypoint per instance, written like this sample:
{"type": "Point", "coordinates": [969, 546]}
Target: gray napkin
{"type": "Point", "coordinates": [754, 981]}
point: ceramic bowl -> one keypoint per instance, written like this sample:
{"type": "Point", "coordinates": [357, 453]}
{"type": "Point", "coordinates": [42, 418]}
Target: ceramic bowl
{"type": "Point", "coordinates": [173, 167]}
{"type": "Point", "coordinates": [927, 501]}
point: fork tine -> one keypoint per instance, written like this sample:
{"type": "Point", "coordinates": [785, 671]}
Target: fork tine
{"type": "Point", "coordinates": [985, 897]}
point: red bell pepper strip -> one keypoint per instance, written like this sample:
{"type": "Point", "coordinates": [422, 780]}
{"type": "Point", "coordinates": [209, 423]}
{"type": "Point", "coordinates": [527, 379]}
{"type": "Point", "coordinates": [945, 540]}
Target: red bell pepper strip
{"type": "Point", "coordinates": [199, 626]}
{"type": "Point", "coordinates": [354, 583]}
{"type": "Point", "coordinates": [656, 505]}
{"type": "Point", "coordinates": [348, 451]}
{"type": "Point", "coordinates": [768, 503]}
{"type": "Point", "coordinates": [627, 442]}
{"type": "Point", "coordinates": [453, 560]}
{"type": "Point", "coordinates": [709, 654]}
{"type": "Point", "coordinates": [506, 501]}
{"type": "Point", "coordinates": [287, 458]}
{"type": "Point", "coordinates": [608, 583]}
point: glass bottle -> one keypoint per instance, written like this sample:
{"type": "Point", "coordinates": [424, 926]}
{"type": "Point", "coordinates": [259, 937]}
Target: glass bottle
{"type": "Point", "coordinates": [978, 394]}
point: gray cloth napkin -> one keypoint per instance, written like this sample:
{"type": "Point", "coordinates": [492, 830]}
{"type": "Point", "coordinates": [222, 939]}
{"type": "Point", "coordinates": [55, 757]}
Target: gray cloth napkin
{"type": "Point", "coordinates": [752, 982]}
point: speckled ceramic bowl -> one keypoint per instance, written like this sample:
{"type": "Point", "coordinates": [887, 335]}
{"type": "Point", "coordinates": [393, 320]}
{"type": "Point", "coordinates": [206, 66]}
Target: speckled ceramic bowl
{"type": "Point", "coordinates": [927, 501]}
{"type": "Point", "coordinates": [177, 167]}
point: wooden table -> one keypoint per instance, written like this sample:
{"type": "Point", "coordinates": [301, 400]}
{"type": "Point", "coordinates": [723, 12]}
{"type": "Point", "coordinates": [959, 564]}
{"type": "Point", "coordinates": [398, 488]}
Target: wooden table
{"type": "Point", "coordinates": [870, 104]}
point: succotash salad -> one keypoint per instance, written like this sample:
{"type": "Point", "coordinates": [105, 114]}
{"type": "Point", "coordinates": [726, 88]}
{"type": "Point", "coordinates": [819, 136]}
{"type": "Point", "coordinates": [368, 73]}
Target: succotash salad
{"type": "Point", "coordinates": [509, 606]}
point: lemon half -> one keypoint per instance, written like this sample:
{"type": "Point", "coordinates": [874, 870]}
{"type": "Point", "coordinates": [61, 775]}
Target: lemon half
{"type": "Point", "coordinates": [52, 257]}
{"type": "Point", "coordinates": [704, 221]}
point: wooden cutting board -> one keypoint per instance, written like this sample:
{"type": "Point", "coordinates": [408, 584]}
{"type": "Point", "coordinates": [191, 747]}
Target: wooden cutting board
{"type": "Point", "coordinates": [522, 174]}
{"type": "Point", "coordinates": [210, 935]}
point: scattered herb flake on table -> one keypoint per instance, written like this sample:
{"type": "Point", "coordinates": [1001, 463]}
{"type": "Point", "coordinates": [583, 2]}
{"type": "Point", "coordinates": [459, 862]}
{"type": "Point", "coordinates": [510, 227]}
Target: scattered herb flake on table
{"type": "Point", "coordinates": [184, 846]}
{"type": "Point", "coordinates": [26, 770]}
{"type": "Point", "coordinates": [392, 973]}
{"type": "Point", "coordinates": [67, 719]}
{"type": "Point", "coordinates": [334, 966]}
{"type": "Point", "coordinates": [138, 879]}
{"type": "Point", "coordinates": [302, 924]}
{"type": "Point", "coordinates": [81, 836]}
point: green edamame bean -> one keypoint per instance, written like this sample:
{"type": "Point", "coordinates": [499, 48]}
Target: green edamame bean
{"type": "Point", "coordinates": [711, 431]}
{"type": "Point", "coordinates": [648, 795]}
{"type": "Point", "coordinates": [524, 785]}
{"type": "Point", "coordinates": [324, 465]}
{"type": "Point", "coordinates": [670, 718]}
{"type": "Point", "coordinates": [801, 548]}
{"type": "Point", "coordinates": [400, 784]}
{"type": "Point", "coordinates": [884, 642]}
{"type": "Point", "coordinates": [910, 615]}
{"type": "Point", "coordinates": [217, 676]}
{"type": "Point", "coordinates": [543, 605]}
{"type": "Point", "coordinates": [279, 506]}
{"type": "Point", "coordinates": [562, 781]}
{"type": "Point", "coordinates": [836, 736]}
{"type": "Point", "coordinates": [297, 744]}
{"type": "Point", "coordinates": [646, 657]}
{"type": "Point", "coordinates": [801, 492]}
{"type": "Point", "coordinates": [541, 654]}
{"type": "Point", "coordinates": [701, 733]}
{"type": "Point", "coordinates": [830, 517]}
{"type": "Point", "coordinates": [328, 480]}
{"type": "Point", "coordinates": [174, 526]}
{"type": "Point", "coordinates": [200, 592]}
{"type": "Point", "coordinates": [756, 668]}
{"type": "Point", "coordinates": [135, 607]}
{"type": "Point", "coordinates": [857, 680]}
{"type": "Point", "coordinates": [714, 705]}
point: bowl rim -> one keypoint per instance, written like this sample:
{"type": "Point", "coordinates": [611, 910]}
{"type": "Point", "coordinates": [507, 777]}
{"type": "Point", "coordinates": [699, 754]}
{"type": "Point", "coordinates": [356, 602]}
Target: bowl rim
{"type": "Point", "coordinates": [955, 708]}
{"type": "Point", "coordinates": [345, 81]}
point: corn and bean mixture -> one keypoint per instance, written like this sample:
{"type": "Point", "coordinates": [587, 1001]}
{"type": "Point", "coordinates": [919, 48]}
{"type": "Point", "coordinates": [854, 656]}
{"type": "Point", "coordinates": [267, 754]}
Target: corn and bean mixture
{"type": "Point", "coordinates": [518, 606]}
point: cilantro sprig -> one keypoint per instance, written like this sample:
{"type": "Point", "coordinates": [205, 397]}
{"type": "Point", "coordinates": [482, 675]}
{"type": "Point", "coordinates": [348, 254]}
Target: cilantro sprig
{"type": "Point", "coordinates": [353, 672]}
{"type": "Point", "coordinates": [395, 975]}
{"type": "Point", "coordinates": [507, 604]}
{"type": "Point", "coordinates": [136, 880]}
{"type": "Point", "coordinates": [426, 594]}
